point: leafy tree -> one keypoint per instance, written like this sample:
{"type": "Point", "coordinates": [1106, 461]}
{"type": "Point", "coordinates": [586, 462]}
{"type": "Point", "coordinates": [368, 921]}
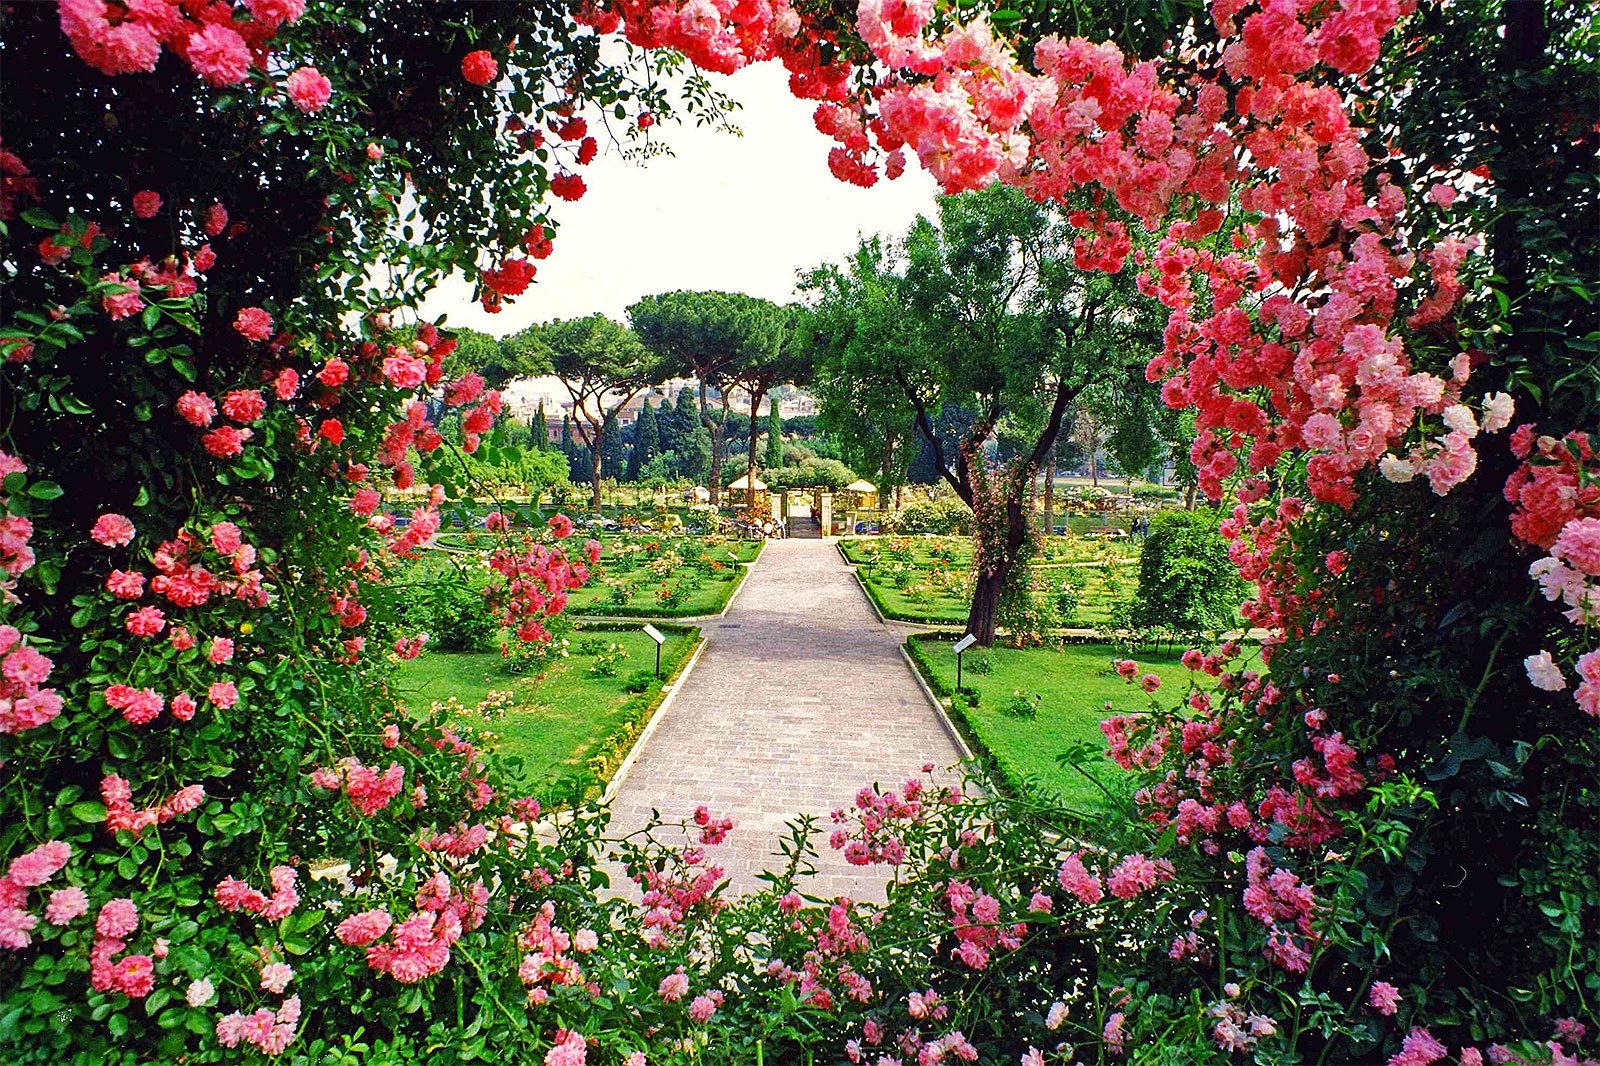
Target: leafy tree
{"type": "Point", "coordinates": [476, 353]}
{"type": "Point", "coordinates": [529, 471]}
{"type": "Point", "coordinates": [602, 365]}
{"type": "Point", "coordinates": [612, 451]}
{"type": "Point", "coordinates": [995, 276]}
{"type": "Point", "coordinates": [1187, 583]}
{"type": "Point", "coordinates": [810, 473]}
{"type": "Point", "coordinates": [774, 354]}
{"type": "Point", "coordinates": [714, 337]}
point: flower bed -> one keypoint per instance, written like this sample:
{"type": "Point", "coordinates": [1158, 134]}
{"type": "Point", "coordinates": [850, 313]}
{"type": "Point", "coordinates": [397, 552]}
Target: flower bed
{"type": "Point", "coordinates": [652, 576]}
{"type": "Point", "coordinates": [926, 579]}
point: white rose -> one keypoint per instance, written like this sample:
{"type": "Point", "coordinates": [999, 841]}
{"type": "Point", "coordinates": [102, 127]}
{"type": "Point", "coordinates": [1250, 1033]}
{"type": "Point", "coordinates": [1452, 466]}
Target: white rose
{"type": "Point", "coordinates": [1497, 411]}
{"type": "Point", "coordinates": [1396, 469]}
{"type": "Point", "coordinates": [1459, 418]}
{"type": "Point", "coordinates": [200, 992]}
{"type": "Point", "coordinates": [1544, 673]}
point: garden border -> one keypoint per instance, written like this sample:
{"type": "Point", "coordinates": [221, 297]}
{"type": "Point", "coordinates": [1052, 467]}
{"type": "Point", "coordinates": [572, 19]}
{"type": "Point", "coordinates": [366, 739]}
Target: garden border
{"type": "Point", "coordinates": [674, 686]}
{"type": "Point", "coordinates": [957, 735]}
{"type": "Point", "coordinates": [982, 755]}
{"type": "Point", "coordinates": [663, 693]}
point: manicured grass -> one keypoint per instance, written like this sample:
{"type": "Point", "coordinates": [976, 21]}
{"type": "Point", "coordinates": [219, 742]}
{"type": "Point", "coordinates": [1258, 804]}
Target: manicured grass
{"type": "Point", "coordinates": [1073, 682]}
{"type": "Point", "coordinates": [924, 579]}
{"type": "Point", "coordinates": [565, 721]}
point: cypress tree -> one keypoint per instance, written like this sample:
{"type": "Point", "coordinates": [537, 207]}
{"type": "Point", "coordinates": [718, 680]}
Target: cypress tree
{"type": "Point", "coordinates": [541, 429]}
{"type": "Point", "coordinates": [684, 421]}
{"type": "Point", "coordinates": [611, 451]}
{"type": "Point", "coordinates": [774, 457]}
{"type": "Point", "coordinates": [646, 441]}
{"type": "Point", "coordinates": [566, 435]}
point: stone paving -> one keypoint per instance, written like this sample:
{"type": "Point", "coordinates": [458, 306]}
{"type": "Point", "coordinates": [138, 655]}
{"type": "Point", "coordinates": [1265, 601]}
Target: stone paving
{"type": "Point", "coordinates": [800, 697]}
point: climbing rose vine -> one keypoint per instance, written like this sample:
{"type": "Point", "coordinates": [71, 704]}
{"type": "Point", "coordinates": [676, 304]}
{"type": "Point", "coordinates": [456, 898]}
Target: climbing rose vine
{"type": "Point", "coordinates": [226, 835]}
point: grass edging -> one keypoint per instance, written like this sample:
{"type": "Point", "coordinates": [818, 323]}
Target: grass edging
{"type": "Point", "coordinates": [669, 692]}
{"type": "Point", "coordinates": [640, 709]}
{"type": "Point", "coordinates": [1004, 777]}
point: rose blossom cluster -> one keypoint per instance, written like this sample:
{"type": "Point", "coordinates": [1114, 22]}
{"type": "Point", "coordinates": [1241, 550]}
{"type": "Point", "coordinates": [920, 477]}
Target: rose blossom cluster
{"type": "Point", "coordinates": [268, 1031]}
{"type": "Point", "coordinates": [419, 946]}
{"type": "Point", "coordinates": [234, 895]}
{"type": "Point", "coordinates": [1555, 495]}
{"type": "Point", "coordinates": [837, 935]}
{"type": "Point", "coordinates": [220, 42]}
{"type": "Point", "coordinates": [16, 556]}
{"type": "Point", "coordinates": [132, 975]}
{"type": "Point", "coordinates": [534, 581]}
{"type": "Point", "coordinates": [549, 961]}
{"type": "Point", "coordinates": [975, 920]}
{"type": "Point", "coordinates": [122, 816]}
{"type": "Point", "coordinates": [879, 818]}
{"type": "Point", "coordinates": [25, 702]}
{"type": "Point", "coordinates": [369, 790]}
{"type": "Point", "coordinates": [671, 896]}
{"type": "Point", "coordinates": [33, 869]}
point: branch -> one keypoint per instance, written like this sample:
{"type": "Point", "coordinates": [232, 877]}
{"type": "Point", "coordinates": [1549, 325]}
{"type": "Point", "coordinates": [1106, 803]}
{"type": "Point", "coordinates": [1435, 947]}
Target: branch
{"type": "Point", "coordinates": [926, 425]}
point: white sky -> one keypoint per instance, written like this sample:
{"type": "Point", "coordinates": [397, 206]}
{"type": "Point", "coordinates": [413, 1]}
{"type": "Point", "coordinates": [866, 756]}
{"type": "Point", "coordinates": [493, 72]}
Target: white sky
{"type": "Point", "coordinates": [741, 214]}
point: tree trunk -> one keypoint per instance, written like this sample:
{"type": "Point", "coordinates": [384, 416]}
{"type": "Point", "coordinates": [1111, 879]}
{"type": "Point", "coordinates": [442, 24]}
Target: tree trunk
{"type": "Point", "coordinates": [750, 466]}
{"type": "Point", "coordinates": [717, 446]}
{"type": "Point", "coordinates": [986, 601]}
{"type": "Point", "coordinates": [1050, 492]}
{"type": "Point", "coordinates": [1188, 497]}
{"type": "Point", "coordinates": [991, 581]}
{"type": "Point", "coordinates": [594, 468]}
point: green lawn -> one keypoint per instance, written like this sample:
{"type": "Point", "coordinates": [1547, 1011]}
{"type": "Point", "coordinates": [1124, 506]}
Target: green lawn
{"type": "Point", "coordinates": [924, 579]}
{"type": "Point", "coordinates": [1074, 682]}
{"type": "Point", "coordinates": [566, 720]}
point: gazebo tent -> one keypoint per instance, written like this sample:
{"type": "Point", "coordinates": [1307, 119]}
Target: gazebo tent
{"type": "Point", "coordinates": [741, 485]}
{"type": "Point", "coordinates": [861, 485]}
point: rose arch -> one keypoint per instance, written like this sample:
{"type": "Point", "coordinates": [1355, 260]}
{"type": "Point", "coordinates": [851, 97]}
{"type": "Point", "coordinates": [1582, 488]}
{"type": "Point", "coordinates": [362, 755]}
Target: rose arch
{"type": "Point", "coordinates": [1371, 229]}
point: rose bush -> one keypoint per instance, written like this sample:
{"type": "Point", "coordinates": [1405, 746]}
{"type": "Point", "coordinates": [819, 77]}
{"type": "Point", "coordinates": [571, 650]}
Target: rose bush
{"type": "Point", "coordinates": [223, 834]}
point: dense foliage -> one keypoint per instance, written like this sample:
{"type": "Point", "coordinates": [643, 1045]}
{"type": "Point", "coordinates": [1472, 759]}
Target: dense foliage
{"type": "Point", "coordinates": [224, 836]}
{"type": "Point", "coordinates": [1188, 587]}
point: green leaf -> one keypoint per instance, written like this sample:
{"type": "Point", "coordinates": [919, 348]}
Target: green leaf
{"type": "Point", "coordinates": [151, 316]}
{"type": "Point", "coordinates": [89, 811]}
{"type": "Point", "coordinates": [45, 490]}
{"type": "Point", "coordinates": [39, 219]}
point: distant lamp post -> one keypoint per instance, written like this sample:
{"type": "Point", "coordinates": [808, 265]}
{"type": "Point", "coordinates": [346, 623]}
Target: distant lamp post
{"type": "Point", "coordinates": [660, 638]}
{"type": "Point", "coordinates": [961, 646]}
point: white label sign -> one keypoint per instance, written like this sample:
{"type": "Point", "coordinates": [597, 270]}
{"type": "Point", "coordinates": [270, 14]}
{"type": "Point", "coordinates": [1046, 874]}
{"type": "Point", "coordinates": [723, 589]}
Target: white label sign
{"type": "Point", "coordinates": [965, 642]}
{"type": "Point", "coordinates": [654, 634]}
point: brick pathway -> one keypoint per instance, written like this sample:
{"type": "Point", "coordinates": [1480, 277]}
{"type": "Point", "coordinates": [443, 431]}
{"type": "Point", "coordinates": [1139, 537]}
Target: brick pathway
{"type": "Point", "coordinates": [800, 697]}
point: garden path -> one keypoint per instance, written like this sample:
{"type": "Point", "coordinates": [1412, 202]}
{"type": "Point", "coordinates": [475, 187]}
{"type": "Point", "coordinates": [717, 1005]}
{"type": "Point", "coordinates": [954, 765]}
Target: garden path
{"type": "Point", "coordinates": [800, 697]}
